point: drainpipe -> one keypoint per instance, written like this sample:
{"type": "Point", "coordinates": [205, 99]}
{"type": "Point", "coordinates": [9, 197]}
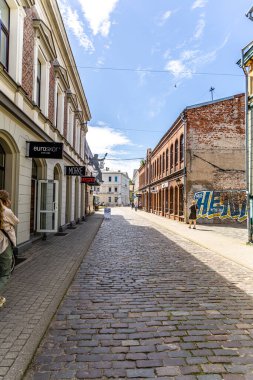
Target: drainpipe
{"type": "Point", "coordinates": [248, 153]}
{"type": "Point", "coordinates": [183, 118]}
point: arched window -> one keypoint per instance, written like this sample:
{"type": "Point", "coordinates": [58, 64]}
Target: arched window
{"type": "Point", "coordinates": [167, 159]}
{"type": "Point", "coordinates": [176, 152]}
{"type": "Point", "coordinates": [160, 165]}
{"type": "Point", "coordinates": [2, 167]}
{"type": "Point", "coordinates": [163, 161]}
{"type": "Point", "coordinates": [171, 157]}
{"type": "Point", "coordinates": [181, 147]}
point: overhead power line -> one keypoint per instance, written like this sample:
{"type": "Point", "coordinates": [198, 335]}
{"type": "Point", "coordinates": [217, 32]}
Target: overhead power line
{"type": "Point", "coordinates": [124, 159]}
{"type": "Point", "coordinates": [155, 71]}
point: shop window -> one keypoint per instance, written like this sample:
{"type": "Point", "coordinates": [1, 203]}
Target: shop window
{"type": "Point", "coordinates": [4, 32]}
{"type": "Point", "coordinates": [2, 167]}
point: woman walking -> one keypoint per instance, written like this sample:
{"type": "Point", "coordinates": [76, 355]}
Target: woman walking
{"type": "Point", "coordinates": [7, 240]}
{"type": "Point", "coordinates": [193, 215]}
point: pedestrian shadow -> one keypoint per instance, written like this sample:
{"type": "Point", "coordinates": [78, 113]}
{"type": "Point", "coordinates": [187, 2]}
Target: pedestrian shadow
{"type": "Point", "coordinates": [145, 302]}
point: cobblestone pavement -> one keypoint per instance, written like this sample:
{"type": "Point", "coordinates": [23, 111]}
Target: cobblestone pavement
{"type": "Point", "coordinates": [148, 304]}
{"type": "Point", "coordinates": [34, 292]}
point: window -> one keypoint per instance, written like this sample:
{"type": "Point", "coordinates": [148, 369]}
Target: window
{"type": "Point", "coordinates": [181, 147]}
{"type": "Point", "coordinates": [59, 108]}
{"type": "Point", "coordinates": [110, 189]}
{"type": "Point", "coordinates": [116, 179]}
{"type": "Point", "coordinates": [110, 179]}
{"type": "Point", "coordinates": [4, 32]}
{"type": "Point", "coordinates": [38, 87]}
{"type": "Point", "coordinates": [171, 156]}
{"type": "Point", "coordinates": [109, 199]}
{"type": "Point", "coordinates": [167, 159]}
{"type": "Point", "coordinates": [115, 189]}
{"type": "Point", "coordinates": [2, 167]}
{"type": "Point", "coordinates": [116, 199]}
{"type": "Point", "coordinates": [176, 152]}
{"type": "Point", "coordinates": [163, 164]}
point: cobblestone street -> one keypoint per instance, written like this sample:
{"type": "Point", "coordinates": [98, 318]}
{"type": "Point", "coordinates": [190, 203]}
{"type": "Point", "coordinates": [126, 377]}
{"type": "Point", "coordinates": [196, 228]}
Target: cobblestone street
{"type": "Point", "coordinates": [149, 304]}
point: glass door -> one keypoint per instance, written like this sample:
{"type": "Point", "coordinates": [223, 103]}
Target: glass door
{"type": "Point", "coordinates": [47, 212]}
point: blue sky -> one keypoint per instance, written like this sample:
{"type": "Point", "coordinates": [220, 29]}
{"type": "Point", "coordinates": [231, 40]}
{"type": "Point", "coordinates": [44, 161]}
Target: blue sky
{"type": "Point", "coordinates": [142, 62]}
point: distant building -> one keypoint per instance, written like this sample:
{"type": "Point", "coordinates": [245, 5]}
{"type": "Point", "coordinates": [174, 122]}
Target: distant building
{"type": "Point", "coordinates": [201, 157]}
{"type": "Point", "coordinates": [114, 190]}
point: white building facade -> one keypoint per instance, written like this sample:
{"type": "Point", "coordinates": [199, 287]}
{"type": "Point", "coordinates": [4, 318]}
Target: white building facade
{"type": "Point", "coordinates": [114, 190]}
{"type": "Point", "coordinates": [42, 102]}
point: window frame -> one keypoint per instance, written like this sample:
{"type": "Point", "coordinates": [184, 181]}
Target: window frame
{"type": "Point", "coordinates": [5, 29]}
{"type": "Point", "coordinates": [38, 83]}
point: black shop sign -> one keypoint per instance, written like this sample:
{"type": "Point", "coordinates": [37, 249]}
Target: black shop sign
{"type": "Point", "coordinates": [37, 149]}
{"type": "Point", "coordinates": [75, 170]}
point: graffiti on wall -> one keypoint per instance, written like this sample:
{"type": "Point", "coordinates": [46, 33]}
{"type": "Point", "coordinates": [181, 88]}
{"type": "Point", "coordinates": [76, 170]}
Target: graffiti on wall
{"type": "Point", "coordinates": [230, 204]}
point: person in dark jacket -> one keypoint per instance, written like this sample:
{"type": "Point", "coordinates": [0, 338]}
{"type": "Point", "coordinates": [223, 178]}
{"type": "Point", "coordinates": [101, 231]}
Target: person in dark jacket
{"type": "Point", "coordinates": [193, 215]}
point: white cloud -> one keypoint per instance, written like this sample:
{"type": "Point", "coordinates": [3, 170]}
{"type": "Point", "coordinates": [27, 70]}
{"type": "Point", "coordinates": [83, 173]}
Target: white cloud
{"type": "Point", "coordinates": [199, 4]}
{"type": "Point", "coordinates": [98, 13]}
{"type": "Point", "coordinates": [190, 61]}
{"type": "Point", "coordinates": [73, 23]}
{"type": "Point", "coordinates": [200, 28]}
{"type": "Point", "coordinates": [178, 68]}
{"type": "Point", "coordinates": [103, 139]}
{"type": "Point", "coordinates": [124, 166]}
{"type": "Point", "coordinates": [164, 17]}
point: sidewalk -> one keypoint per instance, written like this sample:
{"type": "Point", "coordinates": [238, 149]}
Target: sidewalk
{"type": "Point", "coordinates": [35, 291]}
{"type": "Point", "coordinates": [229, 242]}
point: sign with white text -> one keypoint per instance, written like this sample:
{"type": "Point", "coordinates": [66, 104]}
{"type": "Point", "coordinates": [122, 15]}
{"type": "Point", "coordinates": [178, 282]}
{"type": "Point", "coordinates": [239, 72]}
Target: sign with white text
{"type": "Point", "coordinates": [36, 149]}
{"type": "Point", "coordinates": [75, 170]}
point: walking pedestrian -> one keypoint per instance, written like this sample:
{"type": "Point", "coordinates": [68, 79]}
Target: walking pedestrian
{"type": "Point", "coordinates": [7, 240]}
{"type": "Point", "coordinates": [136, 206]}
{"type": "Point", "coordinates": [132, 205]}
{"type": "Point", "coordinates": [193, 214]}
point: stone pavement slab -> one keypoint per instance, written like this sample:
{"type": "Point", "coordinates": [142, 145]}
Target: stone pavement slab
{"type": "Point", "coordinates": [227, 241]}
{"type": "Point", "coordinates": [35, 291]}
{"type": "Point", "coordinates": [148, 303]}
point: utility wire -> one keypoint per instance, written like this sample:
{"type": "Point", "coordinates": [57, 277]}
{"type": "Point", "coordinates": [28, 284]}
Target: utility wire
{"type": "Point", "coordinates": [124, 159]}
{"type": "Point", "coordinates": [127, 129]}
{"type": "Point", "coordinates": [154, 71]}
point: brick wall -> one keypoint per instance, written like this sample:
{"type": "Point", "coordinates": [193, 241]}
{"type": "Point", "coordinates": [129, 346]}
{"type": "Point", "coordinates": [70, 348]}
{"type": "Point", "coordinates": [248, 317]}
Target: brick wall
{"type": "Point", "coordinates": [51, 94]}
{"type": "Point", "coordinates": [28, 54]}
{"type": "Point", "coordinates": [215, 147]}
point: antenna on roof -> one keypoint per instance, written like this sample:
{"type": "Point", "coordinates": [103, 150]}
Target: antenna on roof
{"type": "Point", "coordinates": [212, 90]}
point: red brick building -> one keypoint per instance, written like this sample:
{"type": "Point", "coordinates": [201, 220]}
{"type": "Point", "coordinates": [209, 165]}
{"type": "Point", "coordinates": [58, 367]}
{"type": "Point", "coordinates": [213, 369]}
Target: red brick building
{"type": "Point", "coordinates": [201, 157]}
